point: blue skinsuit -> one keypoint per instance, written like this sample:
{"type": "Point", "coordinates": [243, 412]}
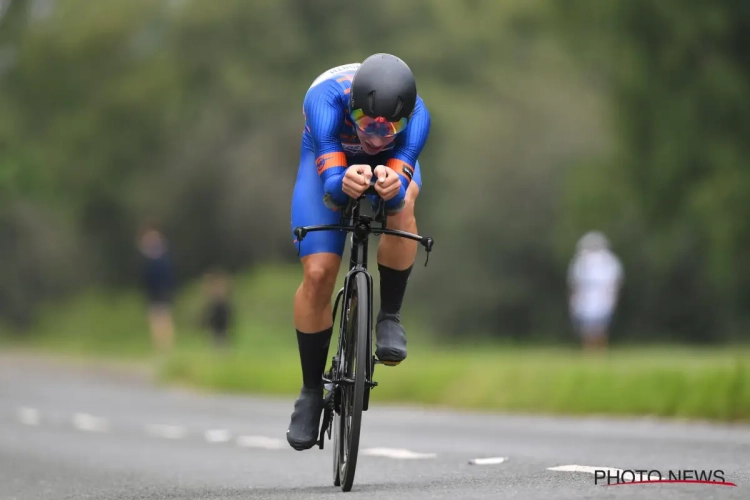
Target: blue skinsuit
{"type": "Point", "coordinates": [330, 144]}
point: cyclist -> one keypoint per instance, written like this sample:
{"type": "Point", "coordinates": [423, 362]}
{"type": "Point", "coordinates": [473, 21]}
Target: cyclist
{"type": "Point", "coordinates": [357, 116]}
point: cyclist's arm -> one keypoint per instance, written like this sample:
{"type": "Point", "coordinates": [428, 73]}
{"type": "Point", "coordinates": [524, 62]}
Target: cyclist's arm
{"type": "Point", "coordinates": [323, 119]}
{"type": "Point", "coordinates": [407, 151]}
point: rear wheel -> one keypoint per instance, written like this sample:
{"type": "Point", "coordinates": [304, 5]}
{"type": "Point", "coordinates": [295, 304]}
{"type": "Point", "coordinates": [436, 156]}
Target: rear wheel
{"type": "Point", "coordinates": [353, 364]}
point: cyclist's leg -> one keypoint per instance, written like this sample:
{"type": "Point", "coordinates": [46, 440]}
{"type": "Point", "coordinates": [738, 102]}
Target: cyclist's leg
{"type": "Point", "coordinates": [399, 253]}
{"type": "Point", "coordinates": [320, 254]}
{"type": "Point", "coordinates": [395, 259]}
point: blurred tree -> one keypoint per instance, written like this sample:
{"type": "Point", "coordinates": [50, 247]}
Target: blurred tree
{"type": "Point", "coordinates": [679, 76]}
{"type": "Point", "coordinates": [188, 113]}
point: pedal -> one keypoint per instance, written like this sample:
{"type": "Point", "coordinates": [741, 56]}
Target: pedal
{"type": "Point", "coordinates": [370, 383]}
{"type": "Point", "coordinates": [326, 424]}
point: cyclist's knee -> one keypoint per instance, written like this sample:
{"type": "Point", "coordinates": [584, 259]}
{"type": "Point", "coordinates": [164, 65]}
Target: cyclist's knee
{"type": "Point", "coordinates": [320, 271]}
{"type": "Point", "coordinates": [405, 218]}
{"type": "Point", "coordinates": [412, 193]}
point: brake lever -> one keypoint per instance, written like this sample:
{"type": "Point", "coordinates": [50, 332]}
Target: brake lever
{"type": "Point", "coordinates": [427, 243]}
{"type": "Point", "coordinates": [300, 233]}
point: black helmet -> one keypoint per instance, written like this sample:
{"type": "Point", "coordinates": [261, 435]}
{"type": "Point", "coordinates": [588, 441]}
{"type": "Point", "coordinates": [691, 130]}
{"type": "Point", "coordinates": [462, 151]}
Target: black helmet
{"type": "Point", "coordinates": [384, 86]}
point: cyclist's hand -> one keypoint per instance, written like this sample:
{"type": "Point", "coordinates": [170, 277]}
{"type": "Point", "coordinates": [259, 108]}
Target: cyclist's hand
{"type": "Point", "coordinates": [388, 184]}
{"type": "Point", "coordinates": [356, 180]}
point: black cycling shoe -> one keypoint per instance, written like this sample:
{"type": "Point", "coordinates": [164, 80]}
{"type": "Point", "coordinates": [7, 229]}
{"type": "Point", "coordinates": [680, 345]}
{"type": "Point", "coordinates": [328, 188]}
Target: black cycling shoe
{"type": "Point", "coordinates": [390, 340]}
{"type": "Point", "coordinates": [304, 429]}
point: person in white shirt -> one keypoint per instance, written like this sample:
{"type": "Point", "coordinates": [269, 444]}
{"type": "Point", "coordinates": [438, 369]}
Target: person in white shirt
{"type": "Point", "coordinates": [595, 277]}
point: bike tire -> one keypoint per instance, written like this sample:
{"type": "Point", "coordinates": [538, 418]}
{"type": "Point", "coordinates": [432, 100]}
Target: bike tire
{"type": "Point", "coordinates": [335, 424]}
{"type": "Point", "coordinates": [336, 454]}
{"type": "Point", "coordinates": [355, 365]}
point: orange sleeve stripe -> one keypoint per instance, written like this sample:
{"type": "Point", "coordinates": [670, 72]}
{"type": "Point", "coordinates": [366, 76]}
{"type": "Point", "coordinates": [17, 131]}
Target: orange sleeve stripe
{"type": "Point", "coordinates": [401, 168]}
{"type": "Point", "coordinates": [330, 160]}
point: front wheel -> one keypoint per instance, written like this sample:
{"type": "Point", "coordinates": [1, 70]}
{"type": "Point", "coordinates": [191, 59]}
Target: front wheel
{"type": "Point", "coordinates": [353, 364]}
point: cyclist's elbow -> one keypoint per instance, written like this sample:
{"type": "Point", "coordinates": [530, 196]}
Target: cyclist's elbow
{"type": "Point", "coordinates": [334, 194]}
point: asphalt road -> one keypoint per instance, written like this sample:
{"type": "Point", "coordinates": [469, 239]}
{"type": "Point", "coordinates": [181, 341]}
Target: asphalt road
{"type": "Point", "coordinates": [68, 432]}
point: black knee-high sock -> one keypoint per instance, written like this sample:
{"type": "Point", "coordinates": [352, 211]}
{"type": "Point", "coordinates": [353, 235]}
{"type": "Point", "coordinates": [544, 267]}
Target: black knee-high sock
{"type": "Point", "coordinates": [313, 351]}
{"type": "Point", "coordinates": [392, 288]}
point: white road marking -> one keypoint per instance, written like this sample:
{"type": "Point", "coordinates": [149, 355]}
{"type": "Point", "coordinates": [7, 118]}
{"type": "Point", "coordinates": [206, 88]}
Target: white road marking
{"type": "Point", "coordinates": [396, 453]}
{"type": "Point", "coordinates": [217, 435]}
{"type": "Point", "coordinates": [28, 416]}
{"type": "Point", "coordinates": [90, 423]}
{"type": "Point", "coordinates": [260, 442]}
{"type": "Point", "coordinates": [582, 468]}
{"type": "Point", "coordinates": [167, 431]}
{"type": "Point", "coordinates": [488, 461]}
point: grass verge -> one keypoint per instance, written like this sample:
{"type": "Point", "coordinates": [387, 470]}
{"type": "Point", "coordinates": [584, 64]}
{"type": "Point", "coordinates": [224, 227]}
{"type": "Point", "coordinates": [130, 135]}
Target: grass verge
{"type": "Point", "coordinates": [690, 384]}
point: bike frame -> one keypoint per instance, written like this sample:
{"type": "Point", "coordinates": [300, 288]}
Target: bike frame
{"type": "Point", "coordinates": [360, 226]}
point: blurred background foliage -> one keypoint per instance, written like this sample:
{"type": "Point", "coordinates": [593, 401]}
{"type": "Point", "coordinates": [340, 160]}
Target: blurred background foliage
{"type": "Point", "coordinates": [549, 119]}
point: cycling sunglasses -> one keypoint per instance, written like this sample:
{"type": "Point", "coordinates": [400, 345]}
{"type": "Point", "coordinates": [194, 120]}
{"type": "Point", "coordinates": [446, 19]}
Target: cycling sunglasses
{"type": "Point", "coordinates": [378, 126]}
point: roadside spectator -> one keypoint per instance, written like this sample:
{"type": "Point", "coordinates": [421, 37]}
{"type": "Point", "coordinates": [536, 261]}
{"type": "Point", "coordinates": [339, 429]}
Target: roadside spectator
{"type": "Point", "coordinates": [595, 277]}
{"type": "Point", "coordinates": [218, 311]}
{"type": "Point", "coordinates": [159, 287]}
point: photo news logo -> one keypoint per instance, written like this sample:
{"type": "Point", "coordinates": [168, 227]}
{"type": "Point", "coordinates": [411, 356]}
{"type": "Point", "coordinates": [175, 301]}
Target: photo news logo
{"type": "Point", "coordinates": [613, 477]}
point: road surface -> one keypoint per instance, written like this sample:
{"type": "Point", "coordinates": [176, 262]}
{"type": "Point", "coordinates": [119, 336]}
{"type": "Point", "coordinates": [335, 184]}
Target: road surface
{"type": "Point", "coordinates": [74, 432]}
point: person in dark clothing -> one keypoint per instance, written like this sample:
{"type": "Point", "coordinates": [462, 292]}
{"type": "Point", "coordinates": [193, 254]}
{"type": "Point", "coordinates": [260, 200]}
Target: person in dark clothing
{"type": "Point", "coordinates": [218, 313]}
{"type": "Point", "coordinates": [158, 284]}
